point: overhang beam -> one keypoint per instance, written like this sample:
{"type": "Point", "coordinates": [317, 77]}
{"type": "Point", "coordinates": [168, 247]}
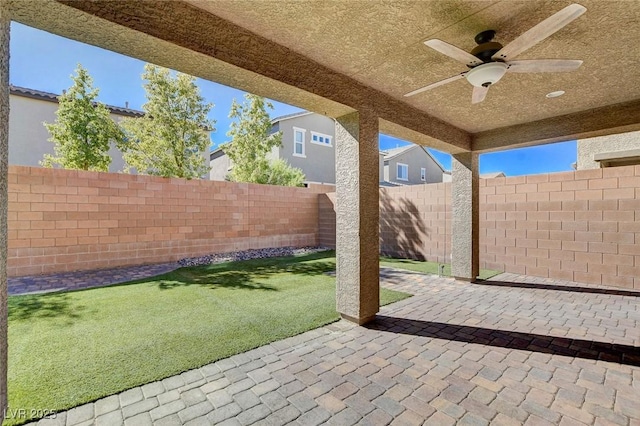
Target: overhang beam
{"type": "Point", "coordinates": [618, 118]}
{"type": "Point", "coordinates": [199, 31]}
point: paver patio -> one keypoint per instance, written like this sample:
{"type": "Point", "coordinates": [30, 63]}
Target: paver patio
{"type": "Point", "coordinates": [85, 279]}
{"type": "Point", "coordinates": [519, 350]}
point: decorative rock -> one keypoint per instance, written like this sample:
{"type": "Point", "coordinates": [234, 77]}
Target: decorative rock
{"type": "Point", "coordinates": [236, 256]}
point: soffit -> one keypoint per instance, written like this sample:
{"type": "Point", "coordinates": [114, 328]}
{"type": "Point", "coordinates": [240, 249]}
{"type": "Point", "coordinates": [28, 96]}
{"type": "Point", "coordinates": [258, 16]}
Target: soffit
{"type": "Point", "coordinates": [381, 45]}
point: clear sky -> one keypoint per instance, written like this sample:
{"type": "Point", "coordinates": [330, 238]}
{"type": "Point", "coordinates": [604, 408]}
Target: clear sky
{"type": "Point", "coordinates": [44, 61]}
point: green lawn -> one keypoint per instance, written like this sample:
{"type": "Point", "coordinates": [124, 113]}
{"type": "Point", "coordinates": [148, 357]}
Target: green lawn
{"type": "Point", "coordinates": [69, 348]}
{"type": "Point", "coordinates": [428, 267]}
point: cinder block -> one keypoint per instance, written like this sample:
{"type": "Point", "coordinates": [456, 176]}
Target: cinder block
{"type": "Point", "coordinates": [589, 194]}
{"type": "Point", "coordinates": [575, 185]}
{"type": "Point", "coordinates": [561, 274]}
{"type": "Point", "coordinates": [603, 247]}
{"type": "Point", "coordinates": [588, 278]}
{"type": "Point", "coordinates": [576, 246]}
{"type": "Point", "coordinates": [618, 194]}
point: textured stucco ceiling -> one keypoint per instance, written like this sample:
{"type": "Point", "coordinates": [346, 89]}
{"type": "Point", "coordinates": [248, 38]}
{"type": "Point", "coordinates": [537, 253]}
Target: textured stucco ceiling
{"type": "Point", "coordinates": [381, 44]}
{"type": "Point", "coordinates": [334, 57]}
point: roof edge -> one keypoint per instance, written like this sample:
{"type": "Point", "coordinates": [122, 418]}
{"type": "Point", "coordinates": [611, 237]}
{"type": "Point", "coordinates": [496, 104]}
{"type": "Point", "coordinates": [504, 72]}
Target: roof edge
{"type": "Point", "coordinates": [290, 116]}
{"type": "Point", "coordinates": [52, 97]}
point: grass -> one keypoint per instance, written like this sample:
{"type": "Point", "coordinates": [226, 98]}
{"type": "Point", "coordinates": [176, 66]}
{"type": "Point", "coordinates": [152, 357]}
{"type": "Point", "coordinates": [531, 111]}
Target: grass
{"type": "Point", "coordinates": [428, 267]}
{"type": "Point", "coordinates": [69, 348]}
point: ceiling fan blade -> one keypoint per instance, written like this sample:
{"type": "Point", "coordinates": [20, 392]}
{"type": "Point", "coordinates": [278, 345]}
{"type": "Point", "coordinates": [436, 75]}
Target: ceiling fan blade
{"type": "Point", "coordinates": [478, 95]}
{"type": "Point", "coordinates": [541, 31]}
{"type": "Point", "coordinates": [453, 52]}
{"type": "Point", "coordinates": [439, 83]}
{"type": "Point", "coordinates": [544, 65]}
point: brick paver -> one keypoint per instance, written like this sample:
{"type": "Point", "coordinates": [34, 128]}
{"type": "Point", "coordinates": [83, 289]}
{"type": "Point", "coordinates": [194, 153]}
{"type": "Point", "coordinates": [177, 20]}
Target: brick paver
{"type": "Point", "coordinates": [85, 279]}
{"type": "Point", "coordinates": [499, 352]}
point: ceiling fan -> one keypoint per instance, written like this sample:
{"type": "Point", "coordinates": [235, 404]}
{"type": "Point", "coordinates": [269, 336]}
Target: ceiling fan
{"type": "Point", "coordinates": [490, 61]}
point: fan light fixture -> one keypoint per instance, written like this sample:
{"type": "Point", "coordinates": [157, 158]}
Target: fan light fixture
{"type": "Point", "coordinates": [486, 74]}
{"type": "Point", "coordinates": [555, 94]}
{"type": "Point", "coordinates": [490, 60]}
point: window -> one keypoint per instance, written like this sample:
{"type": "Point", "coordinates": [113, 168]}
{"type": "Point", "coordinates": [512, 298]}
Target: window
{"type": "Point", "coordinates": [403, 172]}
{"type": "Point", "coordinates": [298, 142]}
{"type": "Point", "coordinates": [618, 158]}
{"type": "Point", "coordinates": [321, 139]}
{"type": "Point", "coordinates": [423, 174]}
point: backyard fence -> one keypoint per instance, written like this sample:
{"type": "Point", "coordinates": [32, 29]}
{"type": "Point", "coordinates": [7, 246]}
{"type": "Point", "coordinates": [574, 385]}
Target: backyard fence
{"type": "Point", "coordinates": [64, 220]}
{"type": "Point", "coordinates": [579, 226]}
{"type": "Point", "coordinates": [582, 226]}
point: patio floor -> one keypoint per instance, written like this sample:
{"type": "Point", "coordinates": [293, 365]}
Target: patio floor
{"type": "Point", "coordinates": [517, 350]}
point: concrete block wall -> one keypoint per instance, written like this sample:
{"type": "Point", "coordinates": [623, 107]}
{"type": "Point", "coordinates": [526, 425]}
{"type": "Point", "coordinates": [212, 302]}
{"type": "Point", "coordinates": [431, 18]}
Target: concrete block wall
{"type": "Point", "coordinates": [415, 221]}
{"type": "Point", "coordinates": [580, 226]}
{"type": "Point", "coordinates": [327, 220]}
{"type": "Point", "coordinates": [63, 220]}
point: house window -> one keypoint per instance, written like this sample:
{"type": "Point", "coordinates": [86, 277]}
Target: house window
{"type": "Point", "coordinates": [423, 174]}
{"type": "Point", "coordinates": [403, 172]}
{"type": "Point", "coordinates": [298, 142]}
{"type": "Point", "coordinates": [321, 139]}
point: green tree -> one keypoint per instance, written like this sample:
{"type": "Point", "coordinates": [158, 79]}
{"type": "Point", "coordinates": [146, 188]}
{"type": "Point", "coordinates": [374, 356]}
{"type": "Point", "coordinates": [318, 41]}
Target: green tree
{"type": "Point", "coordinates": [172, 137]}
{"type": "Point", "coordinates": [83, 129]}
{"type": "Point", "coordinates": [279, 172]}
{"type": "Point", "coordinates": [251, 141]}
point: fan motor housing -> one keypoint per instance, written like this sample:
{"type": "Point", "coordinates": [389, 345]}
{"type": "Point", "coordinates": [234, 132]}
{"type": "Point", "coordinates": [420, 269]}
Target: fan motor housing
{"type": "Point", "coordinates": [485, 51]}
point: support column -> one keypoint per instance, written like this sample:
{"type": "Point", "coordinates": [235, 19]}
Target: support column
{"type": "Point", "coordinates": [465, 196]}
{"type": "Point", "coordinates": [357, 217]}
{"type": "Point", "coordinates": [4, 198]}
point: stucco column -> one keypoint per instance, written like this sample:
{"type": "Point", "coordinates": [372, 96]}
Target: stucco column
{"type": "Point", "coordinates": [357, 214]}
{"type": "Point", "coordinates": [465, 197]}
{"type": "Point", "coordinates": [4, 198]}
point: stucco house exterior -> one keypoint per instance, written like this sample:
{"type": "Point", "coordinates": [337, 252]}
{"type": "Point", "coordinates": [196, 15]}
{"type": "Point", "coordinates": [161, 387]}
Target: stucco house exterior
{"type": "Point", "coordinates": [28, 138]}
{"type": "Point", "coordinates": [411, 165]}
{"type": "Point", "coordinates": [622, 149]}
{"type": "Point", "coordinates": [308, 143]}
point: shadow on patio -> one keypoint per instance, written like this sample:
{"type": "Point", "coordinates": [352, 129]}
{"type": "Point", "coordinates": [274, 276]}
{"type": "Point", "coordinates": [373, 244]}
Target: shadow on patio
{"type": "Point", "coordinates": [570, 288]}
{"type": "Point", "coordinates": [577, 348]}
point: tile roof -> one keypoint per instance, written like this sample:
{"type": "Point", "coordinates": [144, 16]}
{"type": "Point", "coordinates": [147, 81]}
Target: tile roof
{"type": "Point", "coordinates": [52, 97]}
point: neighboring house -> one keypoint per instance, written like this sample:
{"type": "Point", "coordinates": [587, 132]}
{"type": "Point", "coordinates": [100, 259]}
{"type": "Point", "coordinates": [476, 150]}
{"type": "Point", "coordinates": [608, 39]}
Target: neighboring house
{"type": "Point", "coordinates": [29, 139]}
{"type": "Point", "coordinates": [308, 143]}
{"type": "Point", "coordinates": [411, 165]}
{"type": "Point", "coordinates": [608, 151]}
{"type": "Point", "coordinates": [220, 165]}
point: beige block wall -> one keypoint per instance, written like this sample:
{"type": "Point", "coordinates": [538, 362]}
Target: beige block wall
{"type": "Point", "coordinates": [415, 221]}
{"type": "Point", "coordinates": [579, 226]}
{"type": "Point", "coordinates": [327, 220]}
{"type": "Point", "coordinates": [582, 226]}
{"type": "Point", "coordinates": [62, 220]}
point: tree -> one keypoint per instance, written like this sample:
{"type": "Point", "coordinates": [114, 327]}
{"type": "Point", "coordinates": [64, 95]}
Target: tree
{"type": "Point", "coordinates": [251, 141]}
{"type": "Point", "coordinates": [172, 136]}
{"type": "Point", "coordinates": [83, 128]}
{"type": "Point", "coordinates": [279, 172]}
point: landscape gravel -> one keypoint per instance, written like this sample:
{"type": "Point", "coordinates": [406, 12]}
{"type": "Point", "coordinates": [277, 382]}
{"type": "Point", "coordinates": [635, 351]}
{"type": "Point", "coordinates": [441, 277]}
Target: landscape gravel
{"type": "Point", "coordinates": [249, 254]}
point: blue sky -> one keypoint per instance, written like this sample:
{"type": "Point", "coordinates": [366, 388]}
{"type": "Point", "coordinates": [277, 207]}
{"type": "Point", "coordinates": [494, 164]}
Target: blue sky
{"type": "Point", "coordinates": [43, 61]}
